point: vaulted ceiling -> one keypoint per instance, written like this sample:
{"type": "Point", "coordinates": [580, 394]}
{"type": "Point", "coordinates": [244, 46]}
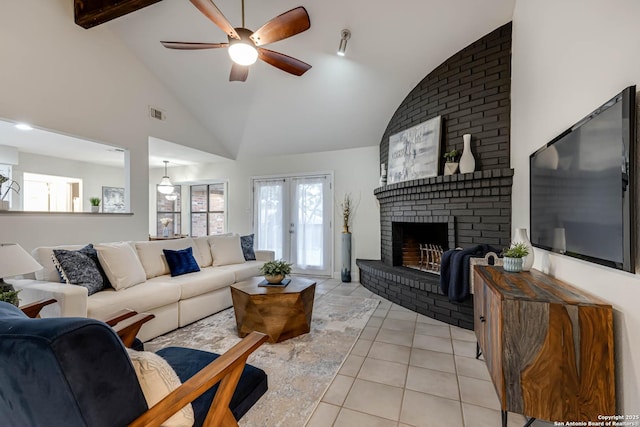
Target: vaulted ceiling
{"type": "Point", "coordinates": [342, 102]}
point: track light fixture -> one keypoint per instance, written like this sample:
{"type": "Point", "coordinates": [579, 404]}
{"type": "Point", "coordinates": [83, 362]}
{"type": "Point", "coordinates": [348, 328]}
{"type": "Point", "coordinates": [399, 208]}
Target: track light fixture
{"type": "Point", "coordinates": [344, 36]}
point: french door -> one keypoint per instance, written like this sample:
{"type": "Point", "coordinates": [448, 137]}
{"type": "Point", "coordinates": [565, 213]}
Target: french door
{"type": "Point", "coordinates": [292, 216]}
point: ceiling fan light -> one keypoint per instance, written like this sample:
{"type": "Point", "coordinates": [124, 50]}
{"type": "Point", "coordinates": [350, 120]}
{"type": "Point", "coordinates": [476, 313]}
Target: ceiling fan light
{"type": "Point", "coordinates": [243, 53]}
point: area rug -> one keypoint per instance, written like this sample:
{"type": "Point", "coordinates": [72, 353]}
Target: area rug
{"type": "Point", "coordinates": [299, 369]}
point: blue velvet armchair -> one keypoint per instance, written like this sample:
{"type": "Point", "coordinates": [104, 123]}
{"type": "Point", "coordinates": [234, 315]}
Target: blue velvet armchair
{"type": "Point", "coordinates": [76, 372]}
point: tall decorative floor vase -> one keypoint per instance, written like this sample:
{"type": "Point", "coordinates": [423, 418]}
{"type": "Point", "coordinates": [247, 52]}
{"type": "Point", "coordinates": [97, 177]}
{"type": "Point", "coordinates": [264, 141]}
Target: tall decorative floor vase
{"type": "Point", "coordinates": [521, 237]}
{"type": "Point", "coordinates": [467, 162]}
{"type": "Point", "coordinates": [346, 257]}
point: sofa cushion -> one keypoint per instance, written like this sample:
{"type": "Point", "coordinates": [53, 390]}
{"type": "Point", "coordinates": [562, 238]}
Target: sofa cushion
{"type": "Point", "coordinates": [121, 264]}
{"type": "Point", "coordinates": [243, 271]}
{"type": "Point", "coordinates": [143, 297]}
{"type": "Point", "coordinates": [226, 250]}
{"type": "Point", "coordinates": [203, 253]}
{"type": "Point", "coordinates": [77, 268]}
{"type": "Point", "coordinates": [206, 280]}
{"type": "Point", "coordinates": [153, 259]}
{"type": "Point", "coordinates": [247, 247]}
{"type": "Point", "coordinates": [157, 379]}
{"type": "Point", "coordinates": [181, 261]}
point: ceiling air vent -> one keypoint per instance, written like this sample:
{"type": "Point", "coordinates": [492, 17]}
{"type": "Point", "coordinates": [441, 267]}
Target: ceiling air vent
{"type": "Point", "coordinates": [154, 113]}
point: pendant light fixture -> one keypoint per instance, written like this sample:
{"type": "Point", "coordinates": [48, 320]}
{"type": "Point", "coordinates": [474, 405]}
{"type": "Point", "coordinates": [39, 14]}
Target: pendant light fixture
{"type": "Point", "coordinates": [165, 186]}
{"type": "Point", "coordinates": [171, 197]}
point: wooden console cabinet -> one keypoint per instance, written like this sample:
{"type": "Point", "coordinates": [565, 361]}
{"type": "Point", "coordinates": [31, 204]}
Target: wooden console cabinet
{"type": "Point", "coordinates": [548, 345]}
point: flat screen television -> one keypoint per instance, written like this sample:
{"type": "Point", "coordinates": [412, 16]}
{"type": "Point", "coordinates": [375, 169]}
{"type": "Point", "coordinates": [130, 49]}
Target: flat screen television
{"type": "Point", "coordinates": [583, 187]}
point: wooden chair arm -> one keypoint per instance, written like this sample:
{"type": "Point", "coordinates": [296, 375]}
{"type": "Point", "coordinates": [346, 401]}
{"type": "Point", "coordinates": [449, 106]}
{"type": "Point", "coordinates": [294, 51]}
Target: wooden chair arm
{"type": "Point", "coordinates": [119, 316]}
{"type": "Point", "coordinates": [128, 329]}
{"type": "Point", "coordinates": [226, 369]}
{"type": "Point", "coordinates": [33, 310]}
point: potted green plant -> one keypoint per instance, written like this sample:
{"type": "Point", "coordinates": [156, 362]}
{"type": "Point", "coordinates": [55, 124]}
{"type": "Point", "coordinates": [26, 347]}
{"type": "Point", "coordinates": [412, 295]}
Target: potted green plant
{"type": "Point", "coordinates": [513, 257]}
{"type": "Point", "coordinates": [95, 204]}
{"type": "Point", "coordinates": [10, 295]}
{"type": "Point", "coordinates": [275, 271]}
{"type": "Point", "coordinates": [451, 161]}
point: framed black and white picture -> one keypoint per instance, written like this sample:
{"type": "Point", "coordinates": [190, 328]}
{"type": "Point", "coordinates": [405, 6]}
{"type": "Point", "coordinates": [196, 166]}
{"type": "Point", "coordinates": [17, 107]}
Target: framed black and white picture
{"type": "Point", "coordinates": [113, 200]}
{"type": "Point", "coordinates": [414, 153]}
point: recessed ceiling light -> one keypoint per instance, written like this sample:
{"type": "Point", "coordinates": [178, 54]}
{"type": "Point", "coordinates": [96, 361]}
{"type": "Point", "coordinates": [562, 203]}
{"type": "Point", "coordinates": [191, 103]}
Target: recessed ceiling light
{"type": "Point", "coordinates": [23, 126]}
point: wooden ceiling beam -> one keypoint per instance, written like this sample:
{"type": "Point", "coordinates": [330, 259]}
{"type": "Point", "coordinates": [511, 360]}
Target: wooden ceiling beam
{"type": "Point", "coordinates": [89, 13]}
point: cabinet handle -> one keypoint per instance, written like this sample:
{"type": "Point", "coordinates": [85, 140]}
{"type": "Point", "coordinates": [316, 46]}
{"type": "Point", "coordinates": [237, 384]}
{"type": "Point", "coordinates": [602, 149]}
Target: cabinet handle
{"type": "Point", "coordinates": [482, 319]}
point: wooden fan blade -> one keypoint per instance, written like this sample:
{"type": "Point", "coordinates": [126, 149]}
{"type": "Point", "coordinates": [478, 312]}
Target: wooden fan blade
{"type": "Point", "coordinates": [286, 25]}
{"type": "Point", "coordinates": [193, 46]}
{"type": "Point", "coordinates": [284, 62]}
{"type": "Point", "coordinates": [212, 12]}
{"type": "Point", "coordinates": [239, 73]}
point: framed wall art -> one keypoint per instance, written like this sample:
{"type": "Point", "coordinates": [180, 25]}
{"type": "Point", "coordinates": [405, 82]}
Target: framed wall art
{"type": "Point", "coordinates": [414, 153]}
{"type": "Point", "coordinates": [113, 200]}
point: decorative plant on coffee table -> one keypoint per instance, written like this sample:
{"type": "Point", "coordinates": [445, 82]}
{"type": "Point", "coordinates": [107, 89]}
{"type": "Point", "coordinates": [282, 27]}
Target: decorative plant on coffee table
{"type": "Point", "coordinates": [275, 271]}
{"type": "Point", "coordinates": [513, 257]}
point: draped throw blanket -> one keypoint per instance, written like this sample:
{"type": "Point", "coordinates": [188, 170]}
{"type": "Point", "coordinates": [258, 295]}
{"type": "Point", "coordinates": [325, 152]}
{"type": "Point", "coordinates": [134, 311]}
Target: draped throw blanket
{"type": "Point", "coordinates": [454, 270]}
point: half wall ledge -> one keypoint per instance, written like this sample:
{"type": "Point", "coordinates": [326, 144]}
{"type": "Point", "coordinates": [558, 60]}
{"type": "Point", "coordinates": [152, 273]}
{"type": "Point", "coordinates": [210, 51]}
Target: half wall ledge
{"type": "Point", "coordinates": [416, 291]}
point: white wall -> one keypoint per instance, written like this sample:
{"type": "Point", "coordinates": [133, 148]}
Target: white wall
{"type": "Point", "coordinates": [85, 83]}
{"type": "Point", "coordinates": [568, 58]}
{"type": "Point", "coordinates": [355, 171]}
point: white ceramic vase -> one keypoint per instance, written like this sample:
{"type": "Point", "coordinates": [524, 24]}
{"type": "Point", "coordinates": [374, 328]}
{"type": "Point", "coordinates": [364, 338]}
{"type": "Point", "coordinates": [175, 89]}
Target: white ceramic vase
{"type": "Point", "coordinates": [521, 237]}
{"type": "Point", "coordinates": [467, 162]}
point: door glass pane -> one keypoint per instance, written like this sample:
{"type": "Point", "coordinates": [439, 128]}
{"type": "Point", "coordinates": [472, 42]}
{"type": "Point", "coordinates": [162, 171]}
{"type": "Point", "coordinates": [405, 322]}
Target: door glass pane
{"type": "Point", "coordinates": [269, 204]}
{"type": "Point", "coordinates": [309, 227]}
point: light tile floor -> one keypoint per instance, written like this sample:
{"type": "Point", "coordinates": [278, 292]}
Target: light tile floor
{"type": "Point", "coordinates": [407, 370]}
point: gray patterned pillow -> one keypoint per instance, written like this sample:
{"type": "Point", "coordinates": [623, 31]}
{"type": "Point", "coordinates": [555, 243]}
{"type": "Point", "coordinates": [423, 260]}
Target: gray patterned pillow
{"type": "Point", "coordinates": [77, 268]}
{"type": "Point", "coordinates": [247, 247]}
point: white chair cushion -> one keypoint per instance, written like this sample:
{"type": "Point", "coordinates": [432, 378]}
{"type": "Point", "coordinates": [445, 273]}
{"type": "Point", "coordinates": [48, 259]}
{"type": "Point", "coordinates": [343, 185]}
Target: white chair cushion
{"type": "Point", "coordinates": [152, 258]}
{"type": "Point", "coordinates": [121, 265]}
{"type": "Point", "coordinates": [226, 250]}
{"type": "Point", "coordinates": [157, 379]}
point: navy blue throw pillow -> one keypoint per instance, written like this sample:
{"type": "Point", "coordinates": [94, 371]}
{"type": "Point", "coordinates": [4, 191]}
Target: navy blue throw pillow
{"type": "Point", "coordinates": [247, 247]}
{"type": "Point", "coordinates": [181, 261]}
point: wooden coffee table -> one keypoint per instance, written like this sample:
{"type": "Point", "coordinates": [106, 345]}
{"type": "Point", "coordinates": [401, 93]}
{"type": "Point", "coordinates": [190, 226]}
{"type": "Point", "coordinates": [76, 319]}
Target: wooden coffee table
{"type": "Point", "coordinates": [281, 313]}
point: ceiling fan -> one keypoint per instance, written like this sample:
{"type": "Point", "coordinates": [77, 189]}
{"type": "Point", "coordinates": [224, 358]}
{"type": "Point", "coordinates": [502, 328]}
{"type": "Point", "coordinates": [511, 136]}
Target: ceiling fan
{"type": "Point", "coordinates": [245, 45]}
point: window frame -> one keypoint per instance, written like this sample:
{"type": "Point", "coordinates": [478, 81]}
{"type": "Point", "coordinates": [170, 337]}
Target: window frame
{"type": "Point", "coordinates": [208, 212]}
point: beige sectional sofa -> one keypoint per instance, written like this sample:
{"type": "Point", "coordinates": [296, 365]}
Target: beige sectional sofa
{"type": "Point", "coordinates": [140, 271]}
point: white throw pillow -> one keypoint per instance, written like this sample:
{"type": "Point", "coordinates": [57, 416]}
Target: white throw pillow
{"type": "Point", "coordinates": [204, 251]}
{"type": "Point", "coordinates": [121, 265]}
{"type": "Point", "coordinates": [157, 379]}
{"type": "Point", "coordinates": [152, 258]}
{"type": "Point", "coordinates": [226, 250]}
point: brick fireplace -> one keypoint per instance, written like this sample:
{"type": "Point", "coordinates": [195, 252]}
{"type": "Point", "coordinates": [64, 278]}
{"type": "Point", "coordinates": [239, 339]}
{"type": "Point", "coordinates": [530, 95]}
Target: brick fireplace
{"type": "Point", "coordinates": [471, 92]}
